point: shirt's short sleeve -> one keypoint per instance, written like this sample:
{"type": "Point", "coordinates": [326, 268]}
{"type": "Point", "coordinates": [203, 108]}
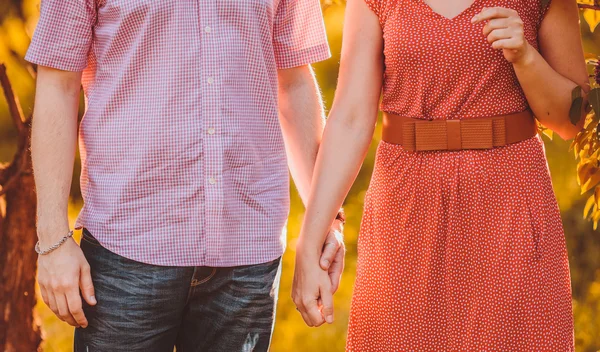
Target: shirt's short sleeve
{"type": "Point", "coordinates": [299, 36]}
{"type": "Point", "coordinates": [63, 36]}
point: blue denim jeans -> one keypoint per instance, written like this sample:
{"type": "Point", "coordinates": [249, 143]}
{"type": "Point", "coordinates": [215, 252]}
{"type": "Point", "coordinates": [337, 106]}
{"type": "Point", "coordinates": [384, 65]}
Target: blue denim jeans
{"type": "Point", "coordinates": [149, 308]}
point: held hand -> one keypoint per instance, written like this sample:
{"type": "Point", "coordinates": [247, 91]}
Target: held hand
{"type": "Point", "coordinates": [504, 30]}
{"type": "Point", "coordinates": [61, 274]}
{"type": "Point", "coordinates": [332, 258]}
{"type": "Point", "coordinates": [311, 291]}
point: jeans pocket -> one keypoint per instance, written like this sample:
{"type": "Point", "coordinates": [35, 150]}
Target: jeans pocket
{"type": "Point", "coordinates": [260, 278]}
{"type": "Point", "coordinates": [89, 238]}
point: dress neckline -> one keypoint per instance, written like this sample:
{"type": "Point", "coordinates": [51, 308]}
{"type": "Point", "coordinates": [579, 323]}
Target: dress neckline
{"type": "Point", "coordinates": [449, 19]}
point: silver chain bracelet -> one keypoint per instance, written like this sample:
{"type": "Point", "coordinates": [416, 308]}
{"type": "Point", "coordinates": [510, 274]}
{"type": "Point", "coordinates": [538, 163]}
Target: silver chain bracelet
{"type": "Point", "coordinates": [53, 247]}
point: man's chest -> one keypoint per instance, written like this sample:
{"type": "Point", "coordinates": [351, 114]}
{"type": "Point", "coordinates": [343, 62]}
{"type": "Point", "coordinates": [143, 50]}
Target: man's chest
{"type": "Point", "coordinates": [154, 12]}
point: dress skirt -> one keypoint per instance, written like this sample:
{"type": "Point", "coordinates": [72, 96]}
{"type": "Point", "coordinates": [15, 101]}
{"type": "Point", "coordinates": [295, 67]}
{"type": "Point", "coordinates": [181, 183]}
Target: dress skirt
{"type": "Point", "coordinates": [462, 251]}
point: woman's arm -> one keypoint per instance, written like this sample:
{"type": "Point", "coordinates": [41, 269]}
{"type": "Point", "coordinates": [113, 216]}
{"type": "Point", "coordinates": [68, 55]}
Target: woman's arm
{"type": "Point", "coordinates": [549, 76]}
{"type": "Point", "coordinates": [348, 133]}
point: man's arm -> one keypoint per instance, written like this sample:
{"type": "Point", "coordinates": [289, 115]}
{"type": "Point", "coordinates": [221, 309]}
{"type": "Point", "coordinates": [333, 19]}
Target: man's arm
{"type": "Point", "coordinates": [302, 120]}
{"type": "Point", "coordinates": [64, 271]}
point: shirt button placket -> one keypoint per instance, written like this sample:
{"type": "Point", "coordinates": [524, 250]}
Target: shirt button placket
{"type": "Point", "coordinates": [212, 70]}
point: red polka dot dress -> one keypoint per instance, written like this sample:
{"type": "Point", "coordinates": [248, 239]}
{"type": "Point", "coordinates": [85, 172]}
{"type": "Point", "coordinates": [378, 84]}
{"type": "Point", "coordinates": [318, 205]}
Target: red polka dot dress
{"type": "Point", "coordinates": [458, 250]}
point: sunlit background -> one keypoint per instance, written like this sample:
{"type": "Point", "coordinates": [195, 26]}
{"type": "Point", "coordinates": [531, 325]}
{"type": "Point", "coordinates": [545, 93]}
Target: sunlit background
{"type": "Point", "coordinates": [290, 332]}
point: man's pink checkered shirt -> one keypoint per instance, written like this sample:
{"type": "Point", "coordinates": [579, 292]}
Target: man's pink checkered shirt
{"type": "Point", "coordinates": [182, 152]}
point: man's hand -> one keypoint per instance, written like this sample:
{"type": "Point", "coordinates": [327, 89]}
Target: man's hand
{"type": "Point", "coordinates": [332, 258]}
{"type": "Point", "coordinates": [61, 274]}
{"type": "Point", "coordinates": [311, 290]}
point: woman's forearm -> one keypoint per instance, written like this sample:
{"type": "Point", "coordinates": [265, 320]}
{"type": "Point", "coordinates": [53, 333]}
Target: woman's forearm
{"type": "Point", "coordinates": [549, 76]}
{"type": "Point", "coordinates": [548, 93]}
{"type": "Point", "coordinates": [349, 129]}
{"type": "Point", "coordinates": [339, 160]}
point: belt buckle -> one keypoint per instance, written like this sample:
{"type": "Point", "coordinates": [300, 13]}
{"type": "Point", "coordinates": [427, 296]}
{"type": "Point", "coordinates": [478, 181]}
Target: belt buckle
{"type": "Point", "coordinates": [431, 135]}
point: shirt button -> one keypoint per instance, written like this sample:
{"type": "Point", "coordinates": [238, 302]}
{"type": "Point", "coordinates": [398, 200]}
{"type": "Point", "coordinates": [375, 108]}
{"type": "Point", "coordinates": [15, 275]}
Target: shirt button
{"type": "Point", "coordinates": [211, 131]}
{"type": "Point", "coordinates": [210, 80]}
{"type": "Point", "coordinates": [212, 180]}
{"type": "Point", "coordinates": [207, 29]}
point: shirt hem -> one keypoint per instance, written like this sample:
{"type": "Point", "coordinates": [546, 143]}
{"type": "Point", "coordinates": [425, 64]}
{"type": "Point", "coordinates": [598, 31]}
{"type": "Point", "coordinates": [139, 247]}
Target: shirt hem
{"type": "Point", "coordinates": [300, 58]}
{"type": "Point", "coordinates": [263, 258]}
{"type": "Point", "coordinates": [58, 64]}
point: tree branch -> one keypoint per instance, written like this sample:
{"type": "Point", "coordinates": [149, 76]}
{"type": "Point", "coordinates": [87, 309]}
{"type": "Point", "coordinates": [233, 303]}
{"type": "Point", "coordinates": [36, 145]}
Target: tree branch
{"type": "Point", "coordinates": [13, 172]}
{"type": "Point", "coordinates": [10, 173]}
{"type": "Point", "coordinates": [13, 102]}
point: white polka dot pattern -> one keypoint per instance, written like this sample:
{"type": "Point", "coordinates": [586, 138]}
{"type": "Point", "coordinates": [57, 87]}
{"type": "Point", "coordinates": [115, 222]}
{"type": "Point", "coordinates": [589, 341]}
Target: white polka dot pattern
{"type": "Point", "coordinates": [458, 251]}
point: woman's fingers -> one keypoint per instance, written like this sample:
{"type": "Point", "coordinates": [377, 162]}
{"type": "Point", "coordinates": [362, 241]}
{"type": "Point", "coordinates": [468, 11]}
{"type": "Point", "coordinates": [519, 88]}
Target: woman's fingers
{"type": "Point", "coordinates": [336, 269]}
{"type": "Point", "coordinates": [497, 23]}
{"type": "Point", "coordinates": [329, 251]}
{"type": "Point", "coordinates": [504, 29]}
{"type": "Point", "coordinates": [499, 34]}
{"type": "Point", "coordinates": [508, 44]}
{"type": "Point", "coordinates": [493, 12]}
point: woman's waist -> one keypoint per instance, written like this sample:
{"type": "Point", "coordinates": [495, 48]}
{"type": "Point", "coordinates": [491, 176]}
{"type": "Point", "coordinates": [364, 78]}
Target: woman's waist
{"type": "Point", "coordinates": [528, 150]}
{"type": "Point", "coordinates": [416, 134]}
{"type": "Point", "coordinates": [448, 106]}
{"type": "Point", "coordinates": [516, 164]}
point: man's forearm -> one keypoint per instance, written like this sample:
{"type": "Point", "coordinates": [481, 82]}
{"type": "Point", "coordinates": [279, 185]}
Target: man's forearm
{"type": "Point", "coordinates": [53, 143]}
{"type": "Point", "coordinates": [302, 121]}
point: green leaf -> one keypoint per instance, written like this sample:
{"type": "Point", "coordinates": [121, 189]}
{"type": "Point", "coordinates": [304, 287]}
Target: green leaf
{"type": "Point", "coordinates": [576, 106]}
{"type": "Point", "coordinates": [594, 98]}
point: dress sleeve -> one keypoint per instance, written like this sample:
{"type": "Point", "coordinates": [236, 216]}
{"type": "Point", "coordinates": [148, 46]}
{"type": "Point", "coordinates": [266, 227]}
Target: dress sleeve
{"type": "Point", "coordinates": [63, 36]}
{"type": "Point", "coordinates": [374, 5]}
{"type": "Point", "coordinates": [544, 6]}
{"type": "Point", "coordinates": [379, 8]}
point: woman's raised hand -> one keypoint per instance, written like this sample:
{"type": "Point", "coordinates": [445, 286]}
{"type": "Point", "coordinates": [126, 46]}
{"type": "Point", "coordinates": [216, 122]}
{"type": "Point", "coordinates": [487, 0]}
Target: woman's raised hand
{"type": "Point", "coordinates": [504, 30]}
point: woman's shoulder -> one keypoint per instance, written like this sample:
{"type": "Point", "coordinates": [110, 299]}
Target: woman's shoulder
{"type": "Point", "coordinates": [381, 8]}
{"type": "Point", "coordinates": [531, 11]}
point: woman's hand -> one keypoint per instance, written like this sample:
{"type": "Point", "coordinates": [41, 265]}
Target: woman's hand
{"type": "Point", "coordinates": [504, 30]}
{"type": "Point", "coordinates": [334, 250]}
{"type": "Point", "coordinates": [311, 290]}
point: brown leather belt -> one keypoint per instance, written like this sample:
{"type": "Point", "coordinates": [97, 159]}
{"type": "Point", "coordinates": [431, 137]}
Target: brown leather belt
{"type": "Point", "coordinates": [479, 133]}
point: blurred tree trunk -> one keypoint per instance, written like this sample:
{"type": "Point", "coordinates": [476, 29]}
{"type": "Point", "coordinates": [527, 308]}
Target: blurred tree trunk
{"type": "Point", "coordinates": [18, 261]}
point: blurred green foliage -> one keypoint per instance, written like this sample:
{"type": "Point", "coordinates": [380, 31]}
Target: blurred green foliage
{"type": "Point", "coordinates": [290, 332]}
